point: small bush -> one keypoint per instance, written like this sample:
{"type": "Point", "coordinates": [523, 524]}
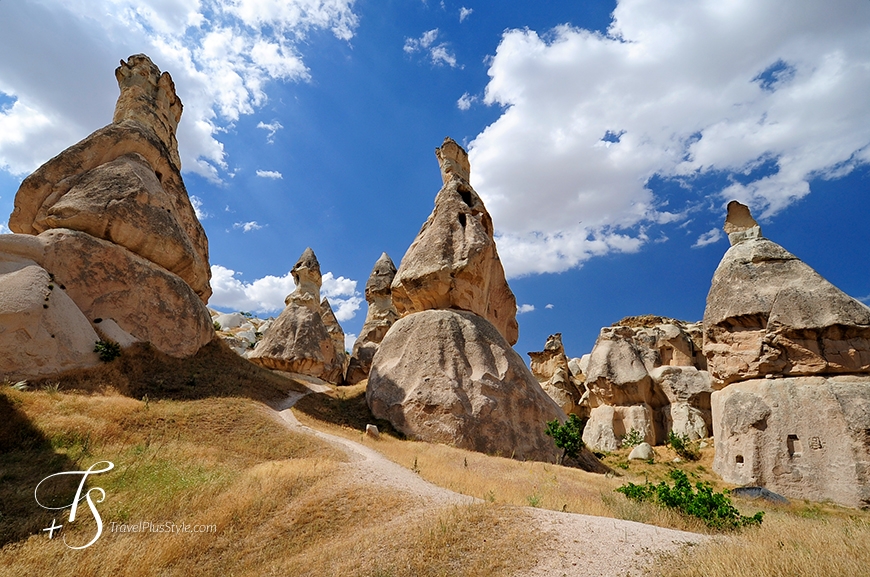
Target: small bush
{"type": "Point", "coordinates": [683, 447]}
{"type": "Point", "coordinates": [217, 326]}
{"type": "Point", "coordinates": [567, 436]}
{"type": "Point", "coordinates": [633, 438]}
{"type": "Point", "coordinates": [107, 350]}
{"type": "Point", "coordinates": [715, 509]}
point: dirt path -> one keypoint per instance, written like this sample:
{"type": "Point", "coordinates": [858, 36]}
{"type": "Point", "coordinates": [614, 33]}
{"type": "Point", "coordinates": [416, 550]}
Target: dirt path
{"type": "Point", "coordinates": [572, 545]}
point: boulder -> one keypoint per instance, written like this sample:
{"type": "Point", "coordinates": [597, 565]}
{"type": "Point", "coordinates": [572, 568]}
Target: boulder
{"type": "Point", "coordinates": [123, 182]}
{"type": "Point", "coordinates": [608, 425]}
{"type": "Point", "coordinates": [449, 376]}
{"type": "Point", "coordinates": [298, 341]}
{"type": "Point", "coordinates": [804, 437]}
{"type": "Point", "coordinates": [642, 452]}
{"type": "Point", "coordinates": [42, 331]}
{"type": "Point", "coordinates": [453, 263]}
{"type": "Point", "coordinates": [769, 314]}
{"type": "Point", "coordinates": [379, 318]}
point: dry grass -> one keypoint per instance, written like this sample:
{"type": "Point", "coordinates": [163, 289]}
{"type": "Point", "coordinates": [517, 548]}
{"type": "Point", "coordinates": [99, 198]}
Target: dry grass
{"type": "Point", "coordinates": [281, 502]}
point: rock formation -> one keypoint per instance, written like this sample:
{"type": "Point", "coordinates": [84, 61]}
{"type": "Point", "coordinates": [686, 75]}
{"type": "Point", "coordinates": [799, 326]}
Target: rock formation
{"type": "Point", "coordinates": [551, 368]}
{"type": "Point", "coordinates": [768, 313]}
{"type": "Point", "coordinates": [445, 371]}
{"type": "Point", "coordinates": [775, 335]}
{"type": "Point", "coordinates": [453, 262]}
{"type": "Point", "coordinates": [299, 341]}
{"type": "Point", "coordinates": [336, 334]}
{"type": "Point", "coordinates": [379, 318]}
{"type": "Point", "coordinates": [647, 373]}
{"type": "Point", "coordinates": [109, 223]}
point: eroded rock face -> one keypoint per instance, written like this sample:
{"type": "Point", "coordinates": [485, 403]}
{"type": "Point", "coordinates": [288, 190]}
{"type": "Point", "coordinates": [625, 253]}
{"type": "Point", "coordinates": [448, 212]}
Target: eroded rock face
{"type": "Point", "coordinates": [123, 182]}
{"type": "Point", "coordinates": [336, 334]}
{"type": "Point", "coordinates": [608, 424]}
{"type": "Point", "coordinates": [449, 376]}
{"type": "Point", "coordinates": [298, 341]}
{"type": "Point", "coordinates": [42, 331]}
{"type": "Point", "coordinates": [768, 313]}
{"type": "Point", "coordinates": [379, 318]}
{"type": "Point", "coordinates": [803, 437]}
{"type": "Point", "coordinates": [453, 262]}
{"type": "Point", "coordinates": [551, 368]}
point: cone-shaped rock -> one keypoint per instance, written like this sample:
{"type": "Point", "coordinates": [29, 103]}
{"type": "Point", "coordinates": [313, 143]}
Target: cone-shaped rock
{"type": "Point", "coordinates": [768, 313]}
{"type": "Point", "coordinates": [379, 318]}
{"type": "Point", "coordinates": [453, 262]}
{"type": "Point", "coordinates": [299, 341]}
{"type": "Point", "coordinates": [337, 335]}
{"type": "Point", "coordinates": [123, 182]}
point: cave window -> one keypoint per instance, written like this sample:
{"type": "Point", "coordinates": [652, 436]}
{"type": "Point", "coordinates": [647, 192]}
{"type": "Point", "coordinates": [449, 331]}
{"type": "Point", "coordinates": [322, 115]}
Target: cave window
{"type": "Point", "coordinates": [739, 459]}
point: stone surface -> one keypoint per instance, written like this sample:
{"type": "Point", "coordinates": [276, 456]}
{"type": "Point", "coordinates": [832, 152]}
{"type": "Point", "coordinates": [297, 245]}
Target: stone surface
{"type": "Point", "coordinates": [551, 368]}
{"type": "Point", "coordinates": [372, 431]}
{"type": "Point", "coordinates": [106, 281]}
{"type": "Point", "coordinates": [608, 425]}
{"type": "Point", "coordinates": [453, 263]}
{"type": "Point", "coordinates": [642, 452]}
{"type": "Point", "coordinates": [123, 182]}
{"type": "Point", "coordinates": [452, 159]}
{"type": "Point", "coordinates": [688, 392]}
{"type": "Point", "coordinates": [380, 317]}
{"type": "Point", "coordinates": [42, 331]}
{"type": "Point", "coordinates": [336, 334]}
{"type": "Point", "coordinates": [449, 376]}
{"type": "Point", "coordinates": [298, 340]}
{"type": "Point", "coordinates": [768, 313]}
{"type": "Point", "coordinates": [803, 437]}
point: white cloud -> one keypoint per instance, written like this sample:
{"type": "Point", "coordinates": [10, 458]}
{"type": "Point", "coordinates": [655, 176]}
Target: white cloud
{"type": "Point", "coordinates": [4, 229]}
{"type": "Point", "coordinates": [525, 309]}
{"type": "Point", "coordinates": [465, 101]}
{"type": "Point", "coordinates": [549, 306]}
{"type": "Point", "coordinates": [439, 54]}
{"type": "Point", "coordinates": [349, 340]}
{"type": "Point", "coordinates": [248, 226]}
{"type": "Point", "coordinates": [267, 294]}
{"type": "Point", "coordinates": [464, 13]}
{"type": "Point", "coordinates": [196, 202]}
{"type": "Point", "coordinates": [272, 127]}
{"type": "Point", "coordinates": [711, 236]}
{"type": "Point", "coordinates": [676, 89]}
{"type": "Point", "coordinates": [273, 174]}
{"type": "Point", "coordinates": [222, 54]}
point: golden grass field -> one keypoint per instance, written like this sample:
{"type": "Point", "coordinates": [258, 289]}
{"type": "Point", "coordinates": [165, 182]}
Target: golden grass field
{"type": "Point", "coordinates": [196, 442]}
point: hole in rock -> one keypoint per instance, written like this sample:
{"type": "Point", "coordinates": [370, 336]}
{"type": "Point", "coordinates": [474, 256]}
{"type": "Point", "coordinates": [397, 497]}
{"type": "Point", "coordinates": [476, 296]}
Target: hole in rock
{"type": "Point", "coordinates": [794, 445]}
{"type": "Point", "coordinates": [739, 459]}
{"type": "Point", "coordinates": [466, 197]}
{"type": "Point", "coordinates": [462, 219]}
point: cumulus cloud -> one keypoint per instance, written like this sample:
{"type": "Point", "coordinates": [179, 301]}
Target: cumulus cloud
{"type": "Point", "coordinates": [465, 101]}
{"type": "Point", "coordinates": [765, 96]}
{"type": "Point", "coordinates": [272, 128]}
{"type": "Point", "coordinates": [525, 309]}
{"type": "Point", "coordinates": [273, 174]}
{"type": "Point", "coordinates": [248, 226]}
{"type": "Point", "coordinates": [439, 54]}
{"type": "Point", "coordinates": [711, 236]}
{"type": "Point", "coordinates": [464, 13]}
{"type": "Point", "coordinates": [549, 306]}
{"type": "Point", "coordinates": [196, 202]}
{"type": "Point", "coordinates": [4, 229]}
{"type": "Point", "coordinates": [349, 340]}
{"type": "Point", "coordinates": [221, 53]}
{"type": "Point", "coordinates": [266, 295]}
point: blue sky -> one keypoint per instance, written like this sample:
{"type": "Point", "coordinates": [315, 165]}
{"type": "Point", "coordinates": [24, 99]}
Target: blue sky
{"type": "Point", "coordinates": [605, 138]}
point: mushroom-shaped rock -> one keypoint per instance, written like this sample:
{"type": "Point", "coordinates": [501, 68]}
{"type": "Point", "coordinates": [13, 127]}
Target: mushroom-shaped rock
{"type": "Point", "coordinates": [453, 263]}
{"type": "Point", "coordinates": [768, 313]}
{"type": "Point", "coordinates": [379, 318]}
{"type": "Point", "coordinates": [299, 341]}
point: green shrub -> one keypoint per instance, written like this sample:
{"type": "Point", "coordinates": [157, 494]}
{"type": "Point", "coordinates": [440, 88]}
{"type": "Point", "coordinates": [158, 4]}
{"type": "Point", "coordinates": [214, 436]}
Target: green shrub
{"type": "Point", "coordinates": [568, 436]}
{"type": "Point", "coordinates": [683, 447]}
{"type": "Point", "coordinates": [633, 438]}
{"type": "Point", "coordinates": [715, 509]}
{"type": "Point", "coordinates": [107, 350]}
{"type": "Point", "coordinates": [217, 326]}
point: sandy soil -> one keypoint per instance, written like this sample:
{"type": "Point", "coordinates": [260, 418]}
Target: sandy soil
{"type": "Point", "coordinates": [571, 545]}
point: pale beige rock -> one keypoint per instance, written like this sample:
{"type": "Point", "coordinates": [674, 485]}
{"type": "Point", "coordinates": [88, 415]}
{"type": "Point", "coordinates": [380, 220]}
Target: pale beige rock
{"type": "Point", "coordinates": [544, 364]}
{"type": "Point", "coordinates": [642, 452]}
{"type": "Point", "coordinates": [453, 263]}
{"type": "Point", "coordinates": [298, 340]}
{"type": "Point", "coordinates": [107, 281]}
{"type": "Point", "coordinates": [380, 317]}
{"type": "Point", "coordinates": [618, 371]}
{"type": "Point", "coordinates": [143, 133]}
{"type": "Point", "coordinates": [452, 159]}
{"type": "Point", "coordinates": [768, 313]}
{"type": "Point", "coordinates": [336, 334]}
{"type": "Point", "coordinates": [550, 367]}
{"type": "Point", "coordinates": [688, 392]}
{"type": "Point", "coordinates": [608, 425]}
{"type": "Point", "coordinates": [802, 437]}
{"type": "Point", "coordinates": [450, 377]}
{"type": "Point", "coordinates": [42, 331]}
